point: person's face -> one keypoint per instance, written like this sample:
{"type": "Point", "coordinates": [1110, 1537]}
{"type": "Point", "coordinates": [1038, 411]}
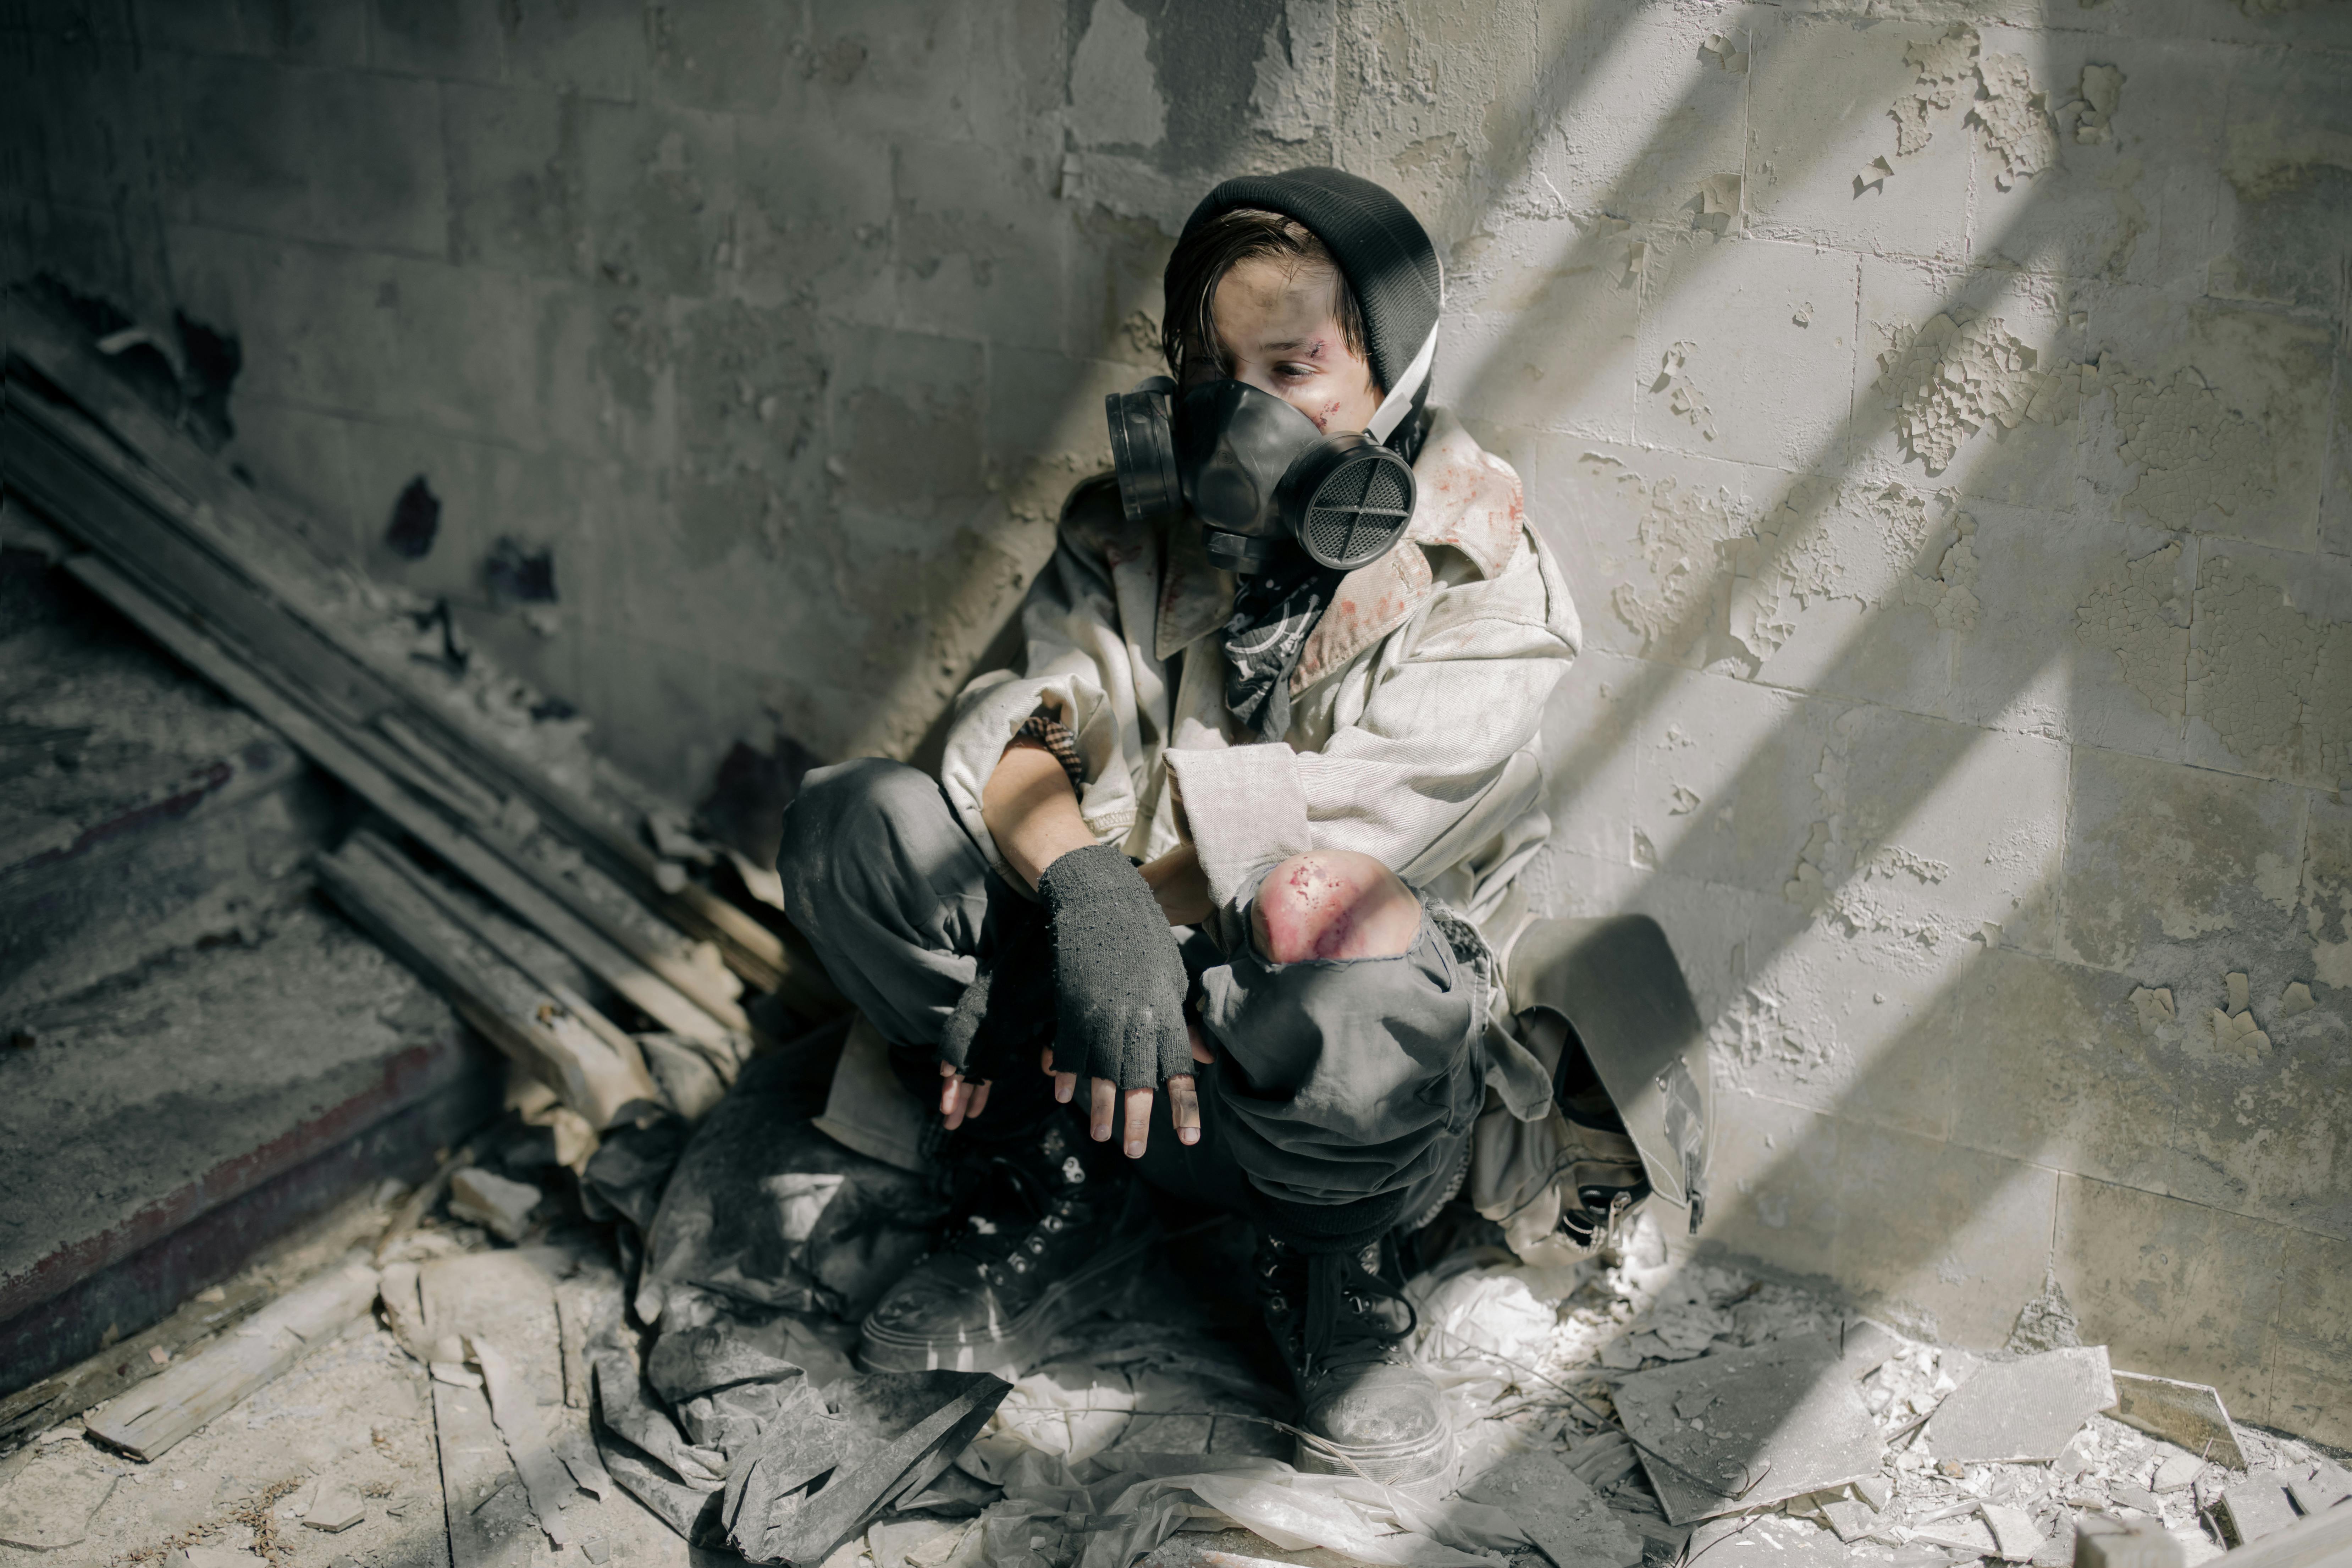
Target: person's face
{"type": "Point", "coordinates": [1278, 326]}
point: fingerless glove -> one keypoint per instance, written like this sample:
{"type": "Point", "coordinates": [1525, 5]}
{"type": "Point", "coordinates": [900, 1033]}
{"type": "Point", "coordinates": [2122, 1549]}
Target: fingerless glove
{"type": "Point", "coordinates": [1006, 1014]}
{"type": "Point", "coordinates": [1118, 976]}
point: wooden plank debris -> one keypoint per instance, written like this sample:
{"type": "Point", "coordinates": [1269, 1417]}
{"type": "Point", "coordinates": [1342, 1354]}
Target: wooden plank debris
{"type": "Point", "coordinates": [544, 1476]}
{"type": "Point", "coordinates": [149, 1420]}
{"type": "Point", "coordinates": [169, 544]}
{"type": "Point", "coordinates": [644, 989]}
{"type": "Point", "coordinates": [506, 1297]}
{"type": "Point", "coordinates": [31, 1412]}
{"type": "Point", "coordinates": [198, 497]}
{"type": "Point", "coordinates": [521, 1019]}
{"type": "Point", "coordinates": [540, 962]}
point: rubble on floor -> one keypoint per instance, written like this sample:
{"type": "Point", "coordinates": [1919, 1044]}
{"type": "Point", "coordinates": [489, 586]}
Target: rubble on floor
{"type": "Point", "coordinates": [509, 1404]}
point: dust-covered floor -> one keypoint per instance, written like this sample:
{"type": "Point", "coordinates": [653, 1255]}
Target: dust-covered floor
{"type": "Point", "coordinates": [1162, 1407]}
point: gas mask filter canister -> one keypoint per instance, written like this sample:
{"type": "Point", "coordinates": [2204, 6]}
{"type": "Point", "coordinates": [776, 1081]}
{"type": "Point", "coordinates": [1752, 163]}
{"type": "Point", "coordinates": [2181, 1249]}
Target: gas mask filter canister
{"type": "Point", "coordinates": [1256, 472]}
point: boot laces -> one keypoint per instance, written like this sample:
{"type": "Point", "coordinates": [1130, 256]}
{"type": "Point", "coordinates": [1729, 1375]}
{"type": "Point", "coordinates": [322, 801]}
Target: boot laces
{"type": "Point", "coordinates": [1330, 1309]}
{"type": "Point", "coordinates": [1009, 1245]}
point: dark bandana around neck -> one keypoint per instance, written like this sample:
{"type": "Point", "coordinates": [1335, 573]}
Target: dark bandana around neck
{"type": "Point", "coordinates": [1272, 613]}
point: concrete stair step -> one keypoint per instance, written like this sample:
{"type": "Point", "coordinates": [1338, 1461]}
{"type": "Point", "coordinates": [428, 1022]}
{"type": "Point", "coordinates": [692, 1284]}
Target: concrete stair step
{"type": "Point", "coordinates": [169, 1121]}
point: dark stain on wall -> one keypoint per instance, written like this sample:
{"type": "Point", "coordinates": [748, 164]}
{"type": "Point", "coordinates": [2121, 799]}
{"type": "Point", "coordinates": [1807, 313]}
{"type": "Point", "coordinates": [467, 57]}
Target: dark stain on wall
{"type": "Point", "coordinates": [415, 522]}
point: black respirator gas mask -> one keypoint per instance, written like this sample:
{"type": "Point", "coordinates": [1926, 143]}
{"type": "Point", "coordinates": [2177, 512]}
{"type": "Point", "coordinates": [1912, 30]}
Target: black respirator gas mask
{"type": "Point", "coordinates": [1256, 472]}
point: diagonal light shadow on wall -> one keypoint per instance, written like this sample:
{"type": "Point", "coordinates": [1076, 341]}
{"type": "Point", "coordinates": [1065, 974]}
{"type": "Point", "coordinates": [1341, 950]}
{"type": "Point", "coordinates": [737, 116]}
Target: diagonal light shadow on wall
{"type": "Point", "coordinates": [1575, 74]}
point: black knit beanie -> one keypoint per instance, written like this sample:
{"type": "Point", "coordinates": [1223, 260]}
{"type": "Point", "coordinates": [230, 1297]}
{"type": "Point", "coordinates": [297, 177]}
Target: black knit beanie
{"type": "Point", "coordinates": [1382, 248]}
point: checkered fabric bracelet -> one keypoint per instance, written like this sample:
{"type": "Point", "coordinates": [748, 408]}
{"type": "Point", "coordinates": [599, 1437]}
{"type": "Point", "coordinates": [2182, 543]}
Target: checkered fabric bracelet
{"type": "Point", "coordinates": [1043, 729]}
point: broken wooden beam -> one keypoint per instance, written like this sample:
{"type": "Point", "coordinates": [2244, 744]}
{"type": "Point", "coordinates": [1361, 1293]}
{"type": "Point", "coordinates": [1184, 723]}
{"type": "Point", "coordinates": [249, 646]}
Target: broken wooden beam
{"type": "Point", "coordinates": [29, 1411]}
{"type": "Point", "coordinates": [455, 846]}
{"type": "Point", "coordinates": [188, 494]}
{"type": "Point", "coordinates": [151, 1419]}
{"type": "Point", "coordinates": [603, 1082]}
{"type": "Point", "coordinates": [502, 939]}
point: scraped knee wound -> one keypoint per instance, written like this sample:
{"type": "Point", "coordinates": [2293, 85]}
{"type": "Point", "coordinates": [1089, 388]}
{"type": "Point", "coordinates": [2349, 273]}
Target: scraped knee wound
{"type": "Point", "coordinates": [1333, 903]}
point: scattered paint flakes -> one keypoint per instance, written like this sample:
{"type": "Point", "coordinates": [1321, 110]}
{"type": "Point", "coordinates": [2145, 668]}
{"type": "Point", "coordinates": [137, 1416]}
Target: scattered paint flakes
{"type": "Point", "coordinates": [2238, 994]}
{"type": "Point", "coordinates": [1804, 316]}
{"type": "Point", "coordinates": [1872, 176]}
{"type": "Point", "coordinates": [1716, 205]}
{"type": "Point", "coordinates": [1951, 594]}
{"type": "Point", "coordinates": [1682, 398]}
{"type": "Point", "coordinates": [1685, 802]}
{"type": "Point", "coordinates": [2296, 1002]}
{"type": "Point", "coordinates": [2238, 1035]}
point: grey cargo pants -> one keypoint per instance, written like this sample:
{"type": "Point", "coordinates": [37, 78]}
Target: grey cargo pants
{"type": "Point", "coordinates": [1344, 1091]}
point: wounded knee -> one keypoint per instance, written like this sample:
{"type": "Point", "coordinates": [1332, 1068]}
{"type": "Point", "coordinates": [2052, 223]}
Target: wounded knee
{"type": "Point", "coordinates": [1333, 903]}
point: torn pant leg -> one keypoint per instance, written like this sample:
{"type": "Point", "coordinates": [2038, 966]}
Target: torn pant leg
{"type": "Point", "coordinates": [1343, 1094]}
{"type": "Point", "coordinates": [899, 904]}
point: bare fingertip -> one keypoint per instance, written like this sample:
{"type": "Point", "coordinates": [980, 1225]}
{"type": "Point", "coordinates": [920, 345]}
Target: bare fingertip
{"type": "Point", "coordinates": [1188, 1135]}
{"type": "Point", "coordinates": [1135, 1151]}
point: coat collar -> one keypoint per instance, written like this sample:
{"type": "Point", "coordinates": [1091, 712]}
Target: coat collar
{"type": "Point", "coordinates": [1465, 499]}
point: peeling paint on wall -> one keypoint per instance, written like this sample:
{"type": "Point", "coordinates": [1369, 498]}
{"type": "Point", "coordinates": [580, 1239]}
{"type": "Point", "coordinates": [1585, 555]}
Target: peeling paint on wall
{"type": "Point", "coordinates": [1949, 379]}
{"type": "Point", "coordinates": [2328, 901]}
{"type": "Point", "coordinates": [1946, 67]}
{"type": "Point", "coordinates": [2274, 684]}
{"type": "Point", "coordinates": [2194, 450]}
{"type": "Point", "coordinates": [1683, 533]}
{"type": "Point", "coordinates": [2141, 619]}
{"type": "Point", "coordinates": [2012, 118]}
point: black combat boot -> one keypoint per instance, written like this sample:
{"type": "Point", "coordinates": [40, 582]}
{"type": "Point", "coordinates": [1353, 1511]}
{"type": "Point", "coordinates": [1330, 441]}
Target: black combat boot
{"type": "Point", "coordinates": [1344, 1327]}
{"type": "Point", "coordinates": [1046, 1246]}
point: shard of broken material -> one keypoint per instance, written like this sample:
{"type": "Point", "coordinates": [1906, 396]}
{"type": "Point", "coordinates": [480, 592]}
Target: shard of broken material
{"type": "Point", "coordinates": [1743, 1428]}
{"type": "Point", "coordinates": [2022, 1411]}
{"type": "Point", "coordinates": [2257, 1506]}
{"type": "Point", "coordinates": [2188, 1414]}
{"type": "Point", "coordinates": [809, 1486]}
{"type": "Point", "coordinates": [1566, 1519]}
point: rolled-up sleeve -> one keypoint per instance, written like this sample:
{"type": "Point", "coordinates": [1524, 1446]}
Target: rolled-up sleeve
{"type": "Point", "coordinates": [1439, 753]}
{"type": "Point", "coordinates": [1079, 667]}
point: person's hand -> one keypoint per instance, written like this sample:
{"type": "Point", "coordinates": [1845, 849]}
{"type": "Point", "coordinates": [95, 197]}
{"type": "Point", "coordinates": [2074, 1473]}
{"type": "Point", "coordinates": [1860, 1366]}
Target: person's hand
{"type": "Point", "coordinates": [1118, 979]}
{"type": "Point", "coordinates": [1183, 1099]}
{"type": "Point", "coordinates": [1002, 1015]}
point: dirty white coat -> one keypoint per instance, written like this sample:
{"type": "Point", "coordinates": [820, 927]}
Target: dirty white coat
{"type": "Point", "coordinates": [1415, 705]}
{"type": "Point", "coordinates": [1415, 712]}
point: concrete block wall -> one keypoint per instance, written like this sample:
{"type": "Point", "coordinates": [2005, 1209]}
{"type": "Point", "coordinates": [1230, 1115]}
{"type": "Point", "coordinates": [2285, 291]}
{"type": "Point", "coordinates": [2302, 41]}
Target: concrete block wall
{"type": "Point", "coordinates": [1939, 409]}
